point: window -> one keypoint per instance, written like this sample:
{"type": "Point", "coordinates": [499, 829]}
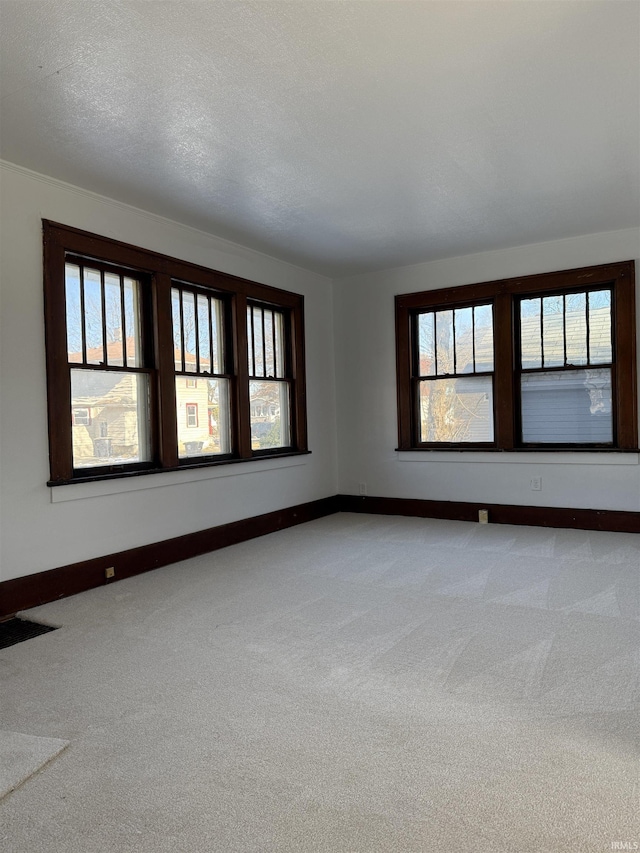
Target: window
{"type": "Point", "coordinates": [200, 348]}
{"type": "Point", "coordinates": [81, 417]}
{"type": "Point", "coordinates": [192, 414]}
{"type": "Point", "coordinates": [159, 364]}
{"type": "Point", "coordinates": [542, 362]}
{"type": "Point", "coordinates": [455, 374]}
{"type": "Point", "coordinates": [106, 364]}
{"type": "Point", "coordinates": [269, 378]}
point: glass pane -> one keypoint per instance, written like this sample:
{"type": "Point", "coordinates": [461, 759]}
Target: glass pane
{"type": "Point", "coordinates": [270, 415]}
{"type": "Point", "coordinates": [279, 321]}
{"type": "Point", "coordinates": [576, 327]}
{"type": "Point", "coordinates": [217, 327]}
{"type": "Point", "coordinates": [463, 321]}
{"type": "Point", "coordinates": [204, 334]}
{"type": "Point", "coordinates": [189, 330]}
{"type": "Point", "coordinates": [530, 333]}
{"type": "Point", "coordinates": [132, 322]}
{"type": "Point", "coordinates": [600, 327]}
{"type": "Point", "coordinates": [113, 319]}
{"type": "Point", "coordinates": [270, 368]}
{"type": "Point", "coordinates": [426, 344]}
{"type": "Point", "coordinates": [258, 355]}
{"type": "Point", "coordinates": [456, 410]}
{"type": "Point", "coordinates": [177, 330]}
{"type": "Point", "coordinates": [74, 312]}
{"type": "Point", "coordinates": [113, 423]}
{"type": "Point", "coordinates": [444, 342]}
{"type": "Point", "coordinates": [483, 334]}
{"type": "Point", "coordinates": [568, 406]}
{"type": "Point", "coordinates": [202, 415]}
{"type": "Point", "coordinates": [93, 316]}
{"type": "Point", "coordinates": [252, 367]}
{"type": "Point", "coordinates": [553, 331]}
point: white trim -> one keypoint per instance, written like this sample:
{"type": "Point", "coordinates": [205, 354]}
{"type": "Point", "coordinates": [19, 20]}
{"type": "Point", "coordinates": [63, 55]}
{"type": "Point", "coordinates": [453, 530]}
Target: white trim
{"type": "Point", "coordinates": [519, 458]}
{"type": "Point", "coordinates": [103, 488]}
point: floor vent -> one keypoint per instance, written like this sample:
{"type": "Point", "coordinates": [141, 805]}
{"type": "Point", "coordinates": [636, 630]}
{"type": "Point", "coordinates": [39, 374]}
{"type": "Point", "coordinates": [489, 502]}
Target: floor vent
{"type": "Point", "coordinates": [18, 630]}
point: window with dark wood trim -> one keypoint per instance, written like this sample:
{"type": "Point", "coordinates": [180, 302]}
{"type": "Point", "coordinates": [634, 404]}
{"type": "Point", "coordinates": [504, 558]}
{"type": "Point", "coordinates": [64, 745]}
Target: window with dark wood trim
{"type": "Point", "coordinates": [544, 362]}
{"type": "Point", "coordinates": [130, 332]}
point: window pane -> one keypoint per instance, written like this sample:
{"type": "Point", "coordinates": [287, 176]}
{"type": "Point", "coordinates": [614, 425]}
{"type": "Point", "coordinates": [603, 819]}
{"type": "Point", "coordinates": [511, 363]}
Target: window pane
{"type": "Point", "coordinates": [457, 410]}
{"type": "Point", "coordinates": [204, 334]}
{"type": "Point", "coordinates": [576, 327]}
{"type": "Point", "coordinates": [600, 327]}
{"type": "Point", "coordinates": [270, 415]}
{"type": "Point", "coordinates": [177, 329]}
{"type": "Point", "coordinates": [530, 333]}
{"type": "Point", "coordinates": [93, 316]}
{"type": "Point", "coordinates": [202, 415]}
{"type": "Point", "coordinates": [572, 406]}
{"type": "Point", "coordinates": [74, 312]}
{"type": "Point", "coordinates": [280, 367]}
{"type": "Point", "coordinates": [258, 355]}
{"type": "Point", "coordinates": [121, 402]}
{"type": "Point", "coordinates": [132, 322]}
{"type": "Point", "coordinates": [217, 327]}
{"type": "Point", "coordinates": [483, 334]}
{"type": "Point", "coordinates": [426, 344]}
{"type": "Point", "coordinates": [463, 321]}
{"type": "Point", "coordinates": [113, 319]}
{"type": "Point", "coordinates": [553, 331]}
{"type": "Point", "coordinates": [252, 367]}
{"type": "Point", "coordinates": [444, 342]}
{"type": "Point", "coordinates": [269, 343]}
{"type": "Point", "coordinates": [189, 330]}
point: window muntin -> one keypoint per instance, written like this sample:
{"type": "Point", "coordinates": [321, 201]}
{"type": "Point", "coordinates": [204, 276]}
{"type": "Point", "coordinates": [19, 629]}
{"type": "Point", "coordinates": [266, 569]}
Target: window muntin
{"type": "Point", "coordinates": [566, 329]}
{"type": "Point", "coordinates": [453, 366]}
{"type": "Point", "coordinates": [567, 336]}
{"type": "Point", "coordinates": [108, 309]}
{"type": "Point", "coordinates": [102, 316]}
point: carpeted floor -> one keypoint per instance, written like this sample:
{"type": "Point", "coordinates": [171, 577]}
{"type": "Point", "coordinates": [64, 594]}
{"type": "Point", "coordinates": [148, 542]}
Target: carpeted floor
{"type": "Point", "coordinates": [354, 684]}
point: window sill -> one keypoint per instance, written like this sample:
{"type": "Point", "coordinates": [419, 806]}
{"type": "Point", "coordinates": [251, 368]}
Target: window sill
{"type": "Point", "coordinates": [114, 484]}
{"type": "Point", "coordinates": [604, 456]}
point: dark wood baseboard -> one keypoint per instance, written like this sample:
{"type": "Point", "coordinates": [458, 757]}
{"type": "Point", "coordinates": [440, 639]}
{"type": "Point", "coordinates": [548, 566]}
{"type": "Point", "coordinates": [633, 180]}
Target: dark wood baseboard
{"type": "Point", "coordinates": [537, 516]}
{"type": "Point", "coordinates": [43, 587]}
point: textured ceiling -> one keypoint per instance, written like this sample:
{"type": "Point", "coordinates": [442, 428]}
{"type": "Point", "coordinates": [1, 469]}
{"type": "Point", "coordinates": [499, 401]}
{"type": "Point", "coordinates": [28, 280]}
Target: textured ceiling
{"type": "Point", "coordinates": [342, 136]}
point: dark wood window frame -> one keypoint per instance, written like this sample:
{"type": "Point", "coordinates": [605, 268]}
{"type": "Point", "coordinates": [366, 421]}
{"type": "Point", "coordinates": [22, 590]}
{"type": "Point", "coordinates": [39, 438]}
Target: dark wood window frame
{"type": "Point", "coordinates": [505, 295]}
{"type": "Point", "coordinates": [158, 273]}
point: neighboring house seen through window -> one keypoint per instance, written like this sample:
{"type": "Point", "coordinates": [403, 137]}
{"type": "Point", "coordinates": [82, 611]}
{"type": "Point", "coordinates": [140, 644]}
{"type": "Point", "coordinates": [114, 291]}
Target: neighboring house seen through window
{"type": "Point", "coordinates": [542, 362]}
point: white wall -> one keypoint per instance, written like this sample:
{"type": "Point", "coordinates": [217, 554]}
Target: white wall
{"type": "Point", "coordinates": [367, 425]}
{"type": "Point", "coordinates": [42, 528]}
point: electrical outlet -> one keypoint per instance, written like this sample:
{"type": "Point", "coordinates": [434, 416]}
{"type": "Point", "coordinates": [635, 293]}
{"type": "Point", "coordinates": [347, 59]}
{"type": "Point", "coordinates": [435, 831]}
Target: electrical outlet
{"type": "Point", "coordinates": [362, 488]}
{"type": "Point", "coordinates": [483, 516]}
{"type": "Point", "coordinates": [109, 573]}
{"type": "Point", "coordinates": [536, 484]}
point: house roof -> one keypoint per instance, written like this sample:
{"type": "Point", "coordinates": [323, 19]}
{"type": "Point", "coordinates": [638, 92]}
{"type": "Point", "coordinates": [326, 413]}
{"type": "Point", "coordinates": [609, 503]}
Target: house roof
{"type": "Point", "coordinates": [344, 137]}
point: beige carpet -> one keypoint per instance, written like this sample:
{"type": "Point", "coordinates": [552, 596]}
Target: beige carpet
{"type": "Point", "coordinates": [355, 684]}
{"type": "Point", "coordinates": [22, 755]}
